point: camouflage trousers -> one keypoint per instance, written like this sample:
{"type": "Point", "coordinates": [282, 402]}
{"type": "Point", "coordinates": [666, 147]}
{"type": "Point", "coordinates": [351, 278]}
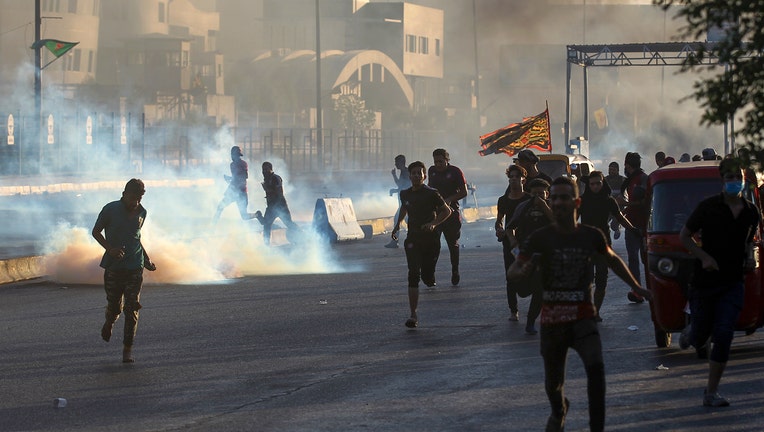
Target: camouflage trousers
{"type": "Point", "coordinates": [123, 287]}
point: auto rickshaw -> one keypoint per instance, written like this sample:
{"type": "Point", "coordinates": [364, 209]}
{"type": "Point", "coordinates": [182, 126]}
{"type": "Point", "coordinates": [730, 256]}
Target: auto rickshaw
{"type": "Point", "coordinates": [673, 193]}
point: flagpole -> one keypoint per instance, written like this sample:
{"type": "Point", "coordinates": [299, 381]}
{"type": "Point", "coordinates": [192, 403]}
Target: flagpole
{"type": "Point", "coordinates": [38, 83]}
{"type": "Point", "coordinates": [548, 126]}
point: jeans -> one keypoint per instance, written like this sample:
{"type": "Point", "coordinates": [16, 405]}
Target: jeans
{"type": "Point", "coordinates": [635, 249]}
{"type": "Point", "coordinates": [715, 315]}
{"type": "Point", "coordinates": [584, 337]}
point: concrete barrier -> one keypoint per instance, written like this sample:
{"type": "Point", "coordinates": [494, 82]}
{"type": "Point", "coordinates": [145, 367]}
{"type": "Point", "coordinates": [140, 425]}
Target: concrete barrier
{"type": "Point", "coordinates": [335, 218]}
{"type": "Point", "coordinates": [19, 269]}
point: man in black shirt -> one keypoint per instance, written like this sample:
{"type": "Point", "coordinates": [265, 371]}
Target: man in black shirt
{"type": "Point", "coordinates": [528, 217]}
{"type": "Point", "coordinates": [505, 209]}
{"type": "Point", "coordinates": [727, 223]}
{"type": "Point", "coordinates": [597, 206]}
{"type": "Point", "coordinates": [563, 252]}
{"type": "Point", "coordinates": [276, 204]}
{"type": "Point", "coordinates": [426, 209]}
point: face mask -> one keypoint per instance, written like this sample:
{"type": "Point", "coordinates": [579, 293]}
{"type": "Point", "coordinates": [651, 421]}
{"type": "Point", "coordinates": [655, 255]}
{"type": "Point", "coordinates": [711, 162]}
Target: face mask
{"type": "Point", "coordinates": [733, 187]}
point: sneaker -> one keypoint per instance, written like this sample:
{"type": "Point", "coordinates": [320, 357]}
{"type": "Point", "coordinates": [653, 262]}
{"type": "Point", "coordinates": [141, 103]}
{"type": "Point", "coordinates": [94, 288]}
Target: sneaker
{"type": "Point", "coordinates": [429, 283]}
{"type": "Point", "coordinates": [530, 329]}
{"type": "Point", "coordinates": [455, 278]}
{"type": "Point", "coordinates": [714, 400]}
{"type": "Point", "coordinates": [634, 297]}
{"type": "Point", "coordinates": [684, 338]}
{"type": "Point", "coordinates": [392, 245]}
{"type": "Point", "coordinates": [514, 316]}
{"type": "Point", "coordinates": [557, 424]}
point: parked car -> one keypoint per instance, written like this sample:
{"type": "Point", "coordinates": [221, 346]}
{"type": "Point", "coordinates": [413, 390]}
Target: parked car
{"type": "Point", "coordinates": [673, 193]}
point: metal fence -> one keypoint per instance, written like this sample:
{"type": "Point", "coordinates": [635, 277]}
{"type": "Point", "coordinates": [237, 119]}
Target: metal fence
{"type": "Point", "coordinates": [80, 144]}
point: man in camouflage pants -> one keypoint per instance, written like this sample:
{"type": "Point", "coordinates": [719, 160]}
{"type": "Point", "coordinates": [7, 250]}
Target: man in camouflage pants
{"type": "Point", "coordinates": [123, 261]}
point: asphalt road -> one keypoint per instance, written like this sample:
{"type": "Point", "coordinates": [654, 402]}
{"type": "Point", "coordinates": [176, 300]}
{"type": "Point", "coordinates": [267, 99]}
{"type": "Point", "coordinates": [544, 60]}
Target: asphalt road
{"type": "Point", "coordinates": [329, 352]}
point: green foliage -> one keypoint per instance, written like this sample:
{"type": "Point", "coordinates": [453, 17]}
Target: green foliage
{"type": "Point", "coordinates": [737, 90]}
{"type": "Point", "coordinates": [352, 112]}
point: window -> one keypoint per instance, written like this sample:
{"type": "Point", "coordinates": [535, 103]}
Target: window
{"type": "Point", "coordinates": [410, 43]}
{"type": "Point", "coordinates": [72, 6]}
{"type": "Point", "coordinates": [437, 47]}
{"type": "Point", "coordinates": [161, 11]}
{"type": "Point", "coordinates": [53, 5]}
{"type": "Point", "coordinates": [423, 48]}
{"type": "Point", "coordinates": [90, 61]}
{"type": "Point", "coordinates": [77, 59]}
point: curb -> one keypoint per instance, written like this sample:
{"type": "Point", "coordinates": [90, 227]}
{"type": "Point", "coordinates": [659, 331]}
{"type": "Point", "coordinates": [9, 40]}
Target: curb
{"type": "Point", "coordinates": [32, 267]}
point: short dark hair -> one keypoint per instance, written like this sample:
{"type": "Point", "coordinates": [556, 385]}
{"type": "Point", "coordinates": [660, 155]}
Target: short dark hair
{"type": "Point", "coordinates": [267, 165]}
{"type": "Point", "coordinates": [400, 158]}
{"type": "Point", "coordinates": [730, 165]}
{"type": "Point", "coordinates": [415, 165]}
{"type": "Point", "coordinates": [567, 181]}
{"type": "Point", "coordinates": [537, 182]}
{"type": "Point", "coordinates": [614, 164]}
{"type": "Point", "coordinates": [441, 152]}
{"type": "Point", "coordinates": [518, 168]}
{"type": "Point", "coordinates": [597, 174]}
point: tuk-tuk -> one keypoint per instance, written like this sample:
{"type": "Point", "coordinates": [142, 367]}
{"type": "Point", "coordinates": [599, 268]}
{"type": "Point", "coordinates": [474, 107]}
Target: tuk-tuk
{"type": "Point", "coordinates": [568, 165]}
{"type": "Point", "coordinates": [673, 193]}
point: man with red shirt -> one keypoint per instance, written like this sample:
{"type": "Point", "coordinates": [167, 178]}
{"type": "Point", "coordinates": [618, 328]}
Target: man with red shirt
{"type": "Point", "coordinates": [564, 251]}
{"type": "Point", "coordinates": [449, 181]}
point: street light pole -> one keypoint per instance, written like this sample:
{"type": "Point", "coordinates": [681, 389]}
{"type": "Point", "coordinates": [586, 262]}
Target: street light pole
{"type": "Point", "coordinates": [37, 83]}
{"type": "Point", "coordinates": [319, 117]}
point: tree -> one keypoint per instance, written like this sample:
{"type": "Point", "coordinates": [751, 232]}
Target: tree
{"type": "Point", "coordinates": [352, 112]}
{"type": "Point", "coordinates": [737, 92]}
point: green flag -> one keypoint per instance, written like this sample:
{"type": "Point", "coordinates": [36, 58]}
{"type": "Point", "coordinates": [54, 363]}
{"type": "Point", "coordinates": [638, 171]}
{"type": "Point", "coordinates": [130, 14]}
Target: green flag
{"type": "Point", "coordinates": [57, 47]}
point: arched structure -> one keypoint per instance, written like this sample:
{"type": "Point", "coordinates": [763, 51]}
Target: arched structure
{"type": "Point", "coordinates": [283, 81]}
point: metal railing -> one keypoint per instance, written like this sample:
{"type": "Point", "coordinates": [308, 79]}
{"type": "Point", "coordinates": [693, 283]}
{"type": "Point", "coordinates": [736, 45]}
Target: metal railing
{"type": "Point", "coordinates": [77, 144]}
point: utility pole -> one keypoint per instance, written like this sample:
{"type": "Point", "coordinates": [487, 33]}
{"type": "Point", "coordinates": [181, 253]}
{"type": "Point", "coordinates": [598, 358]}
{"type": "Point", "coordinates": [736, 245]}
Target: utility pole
{"type": "Point", "coordinates": [319, 117]}
{"type": "Point", "coordinates": [477, 70]}
{"type": "Point", "coordinates": [37, 135]}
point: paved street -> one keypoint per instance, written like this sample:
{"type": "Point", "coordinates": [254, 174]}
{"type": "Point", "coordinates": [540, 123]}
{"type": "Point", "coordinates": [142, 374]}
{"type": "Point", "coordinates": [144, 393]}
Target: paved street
{"type": "Point", "coordinates": [329, 352]}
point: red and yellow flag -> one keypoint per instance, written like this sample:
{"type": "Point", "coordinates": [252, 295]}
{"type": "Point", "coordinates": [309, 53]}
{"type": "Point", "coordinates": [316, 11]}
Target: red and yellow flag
{"type": "Point", "coordinates": [532, 132]}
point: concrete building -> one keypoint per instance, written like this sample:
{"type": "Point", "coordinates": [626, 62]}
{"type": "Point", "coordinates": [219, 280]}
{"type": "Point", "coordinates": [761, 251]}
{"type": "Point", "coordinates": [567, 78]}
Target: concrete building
{"type": "Point", "coordinates": [159, 57]}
